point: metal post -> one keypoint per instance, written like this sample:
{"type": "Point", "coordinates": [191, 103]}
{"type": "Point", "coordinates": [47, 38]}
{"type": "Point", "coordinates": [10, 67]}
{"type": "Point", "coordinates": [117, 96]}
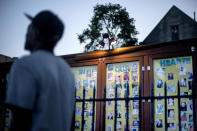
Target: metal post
{"type": "Point", "coordinates": [153, 107]}
{"type": "Point", "coordinates": [83, 103]}
{"type": "Point", "coordinates": [104, 108]}
{"type": "Point", "coordinates": [179, 105]}
{"type": "Point", "coordinates": [93, 108]}
{"type": "Point", "coordinates": [165, 100]}
{"type": "Point", "coordinates": [115, 109]}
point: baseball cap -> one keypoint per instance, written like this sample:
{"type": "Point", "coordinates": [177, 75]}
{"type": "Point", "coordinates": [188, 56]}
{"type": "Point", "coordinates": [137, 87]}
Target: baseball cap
{"type": "Point", "coordinates": [49, 25]}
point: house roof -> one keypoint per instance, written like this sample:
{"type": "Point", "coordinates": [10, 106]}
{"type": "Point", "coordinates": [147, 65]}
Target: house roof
{"type": "Point", "coordinates": [161, 32]}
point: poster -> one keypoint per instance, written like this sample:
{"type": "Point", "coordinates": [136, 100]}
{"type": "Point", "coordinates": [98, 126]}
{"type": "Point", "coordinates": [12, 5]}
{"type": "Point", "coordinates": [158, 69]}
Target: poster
{"type": "Point", "coordinates": [171, 72]}
{"type": "Point", "coordinates": [125, 78]}
{"type": "Point", "coordinates": [85, 78]}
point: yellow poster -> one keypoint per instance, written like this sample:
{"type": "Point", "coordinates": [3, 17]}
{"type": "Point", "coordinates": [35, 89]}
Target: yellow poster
{"type": "Point", "coordinates": [86, 85]}
{"type": "Point", "coordinates": [169, 74]}
{"type": "Point", "coordinates": [122, 81]}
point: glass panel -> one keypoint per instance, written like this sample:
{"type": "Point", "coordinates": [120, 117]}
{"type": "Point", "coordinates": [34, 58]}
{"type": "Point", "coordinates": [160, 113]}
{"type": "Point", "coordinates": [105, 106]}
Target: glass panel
{"type": "Point", "coordinates": [86, 82]}
{"type": "Point", "coordinates": [169, 74]}
{"type": "Point", "coordinates": [122, 81]}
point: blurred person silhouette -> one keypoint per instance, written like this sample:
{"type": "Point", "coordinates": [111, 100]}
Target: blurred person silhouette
{"type": "Point", "coordinates": [41, 89]}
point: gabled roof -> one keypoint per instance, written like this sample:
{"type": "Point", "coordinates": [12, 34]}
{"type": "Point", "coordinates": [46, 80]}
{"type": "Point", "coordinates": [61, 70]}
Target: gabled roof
{"type": "Point", "coordinates": [161, 33]}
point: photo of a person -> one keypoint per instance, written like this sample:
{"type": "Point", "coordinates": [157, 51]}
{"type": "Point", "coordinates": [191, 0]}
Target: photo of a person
{"type": "Point", "coordinates": [159, 83]}
{"type": "Point", "coordinates": [94, 73]}
{"type": "Point", "coordinates": [110, 76]}
{"type": "Point", "coordinates": [134, 67]}
{"type": "Point", "coordinates": [171, 102]}
{"type": "Point", "coordinates": [183, 116]}
{"type": "Point", "coordinates": [117, 80]}
{"type": "Point", "coordinates": [109, 103]}
{"type": "Point", "coordinates": [110, 115]}
{"type": "Point", "coordinates": [171, 126]}
{"type": "Point", "coordinates": [134, 77]}
{"type": "Point", "coordinates": [85, 83]}
{"type": "Point", "coordinates": [78, 111]}
{"type": "Point", "coordinates": [171, 88]}
{"type": "Point", "coordinates": [77, 124]}
{"type": "Point", "coordinates": [135, 122]}
{"type": "Point", "coordinates": [182, 82]}
{"type": "Point", "coordinates": [88, 74]}
{"type": "Point", "coordinates": [118, 125]}
{"type": "Point", "coordinates": [92, 84]}
{"type": "Point", "coordinates": [78, 85]}
{"type": "Point", "coordinates": [182, 70]}
{"type": "Point", "coordinates": [126, 76]}
{"type": "Point", "coordinates": [183, 106]}
{"type": "Point", "coordinates": [159, 123]}
{"type": "Point", "coordinates": [110, 67]}
{"type": "Point", "coordinates": [170, 113]}
{"type": "Point", "coordinates": [159, 109]}
{"type": "Point", "coordinates": [85, 113]}
{"type": "Point", "coordinates": [109, 127]}
{"type": "Point", "coordinates": [170, 76]}
{"type": "Point", "coordinates": [190, 85]}
{"type": "Point", "coordinates": [190, 75]}
{"type": "Point", "coordinates": [119, 114]}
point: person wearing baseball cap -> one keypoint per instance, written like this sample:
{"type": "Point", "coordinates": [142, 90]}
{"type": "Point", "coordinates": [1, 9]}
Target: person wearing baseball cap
{"type": "Point", "coordinates": [41, 89]}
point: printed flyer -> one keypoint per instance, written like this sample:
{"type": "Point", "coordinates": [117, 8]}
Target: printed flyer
{"type": "Point", "coordinates": [85, 79]}
{"type": "Point", "coordinates": [125, 78]}
{"type": "Point", "coordinates": [174, 72]}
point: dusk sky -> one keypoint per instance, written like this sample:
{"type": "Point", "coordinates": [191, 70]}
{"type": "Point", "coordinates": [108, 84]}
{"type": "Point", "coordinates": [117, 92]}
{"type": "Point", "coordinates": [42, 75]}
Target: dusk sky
{"type": "Point", "coordinates": [76, 15]}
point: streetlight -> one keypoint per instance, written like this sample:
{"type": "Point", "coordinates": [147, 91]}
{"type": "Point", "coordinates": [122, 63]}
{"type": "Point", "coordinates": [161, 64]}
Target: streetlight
{"type": "Point", "coordinates": [111, 41]}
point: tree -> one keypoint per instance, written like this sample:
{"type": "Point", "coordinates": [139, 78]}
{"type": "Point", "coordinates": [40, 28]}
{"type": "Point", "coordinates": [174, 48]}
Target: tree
{"type": "Point", "coordinates": [113, 20]}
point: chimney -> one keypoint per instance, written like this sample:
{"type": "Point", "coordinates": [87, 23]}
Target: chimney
{"type": "Point", "coordinates": [194, 16]}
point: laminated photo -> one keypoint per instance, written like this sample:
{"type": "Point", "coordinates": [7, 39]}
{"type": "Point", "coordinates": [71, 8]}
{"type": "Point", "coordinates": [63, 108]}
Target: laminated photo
{"type": "Point", "coordinates": [184, 126]}
{"type": "Point", "coordinates": [85, 114]}
{"type": "Point", "coordinates": [78, 85]}
{"type": "Point", "coordinates": [182, 70]}
{"type": "Point", "coordinates": [110, 115]}
{"type": "Point", "coordinates": [110, 67]}
{"type": "Point", "coordinates": [78, 111]}
{"type": "Point", "coordinates": [77, 124]}
{"type": "Point", "coordinates": [159, 123]}
{"type": "Point", "coordinates": [135, 107]}
{"type": "Point", "coordinates": [109, 103]}
{"type": "Point", "coordinates": [88, 74]}
{"type": "Point", "coordinates": [183, 116]}
{"type": "Point", "coordinates": [110, 76]}
{"type": "Point", "coordinates": [170, 76]}
{"type": "Point", "coordinates": [159, 83]}
{"type": "Point", "coordinates": [134, 67]}
{"type": "Point", "coordinates": [126, 76]}
{"type": "Point", "coordinates": [135, 122]}
{"type": "Point", "coordinates": [159, 109]}
{"type": "Point", "coordinates": [119, 114]}
{"type": "Point", "coordinates": [85, 106]}
{"type": "Point", "coordinates": [171, 126]}
{"type": "Point", "coordinates": [117, 80]}
{"type": "Point", "coordinates": [118, 125]}
{"type": "Point", "coordinates": [190, 85]}
{"type": "Point", "coordinates": [85, 83]}
{"type": "Point", "coordinates": [171, 102]}
{"type": "Point", "coordinates": [92, 84]}
{"type": "Point", "coordinates": [160, 71]}
{"type": "Point", "coordinates": [91, 112]}
{"type": "Point", "coordinates": [183, 106]}
{"type": "Point", "coordinates": [190, 108]}
{"type": "Point", "coordinates": [126, 85]}
{"type": "Point", "coordinates": [171, 88]}
{"type": "Point", "coordinates": [191, 120]}
{"type": "Point", "coordinates": [170, 113]}
{"type": "Point", "coordinates": [85, 124]}
{"type": "Point", "coordinates": [94, 73]}
{"type": "Point", "coordinates": [119, 87]}
{"type": "Point", "coordinates": [134, 89]}
{"type": "Point", "coordinates": [134, 77]}
{"type": "Point", "coordinates": [118, 104]}
{"type": "Point", "coordinates": [109, 127]}
{"type": "Point", "coordinates": [190, 75]}
{"type": "Point", "coordinates": [182, 82]}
